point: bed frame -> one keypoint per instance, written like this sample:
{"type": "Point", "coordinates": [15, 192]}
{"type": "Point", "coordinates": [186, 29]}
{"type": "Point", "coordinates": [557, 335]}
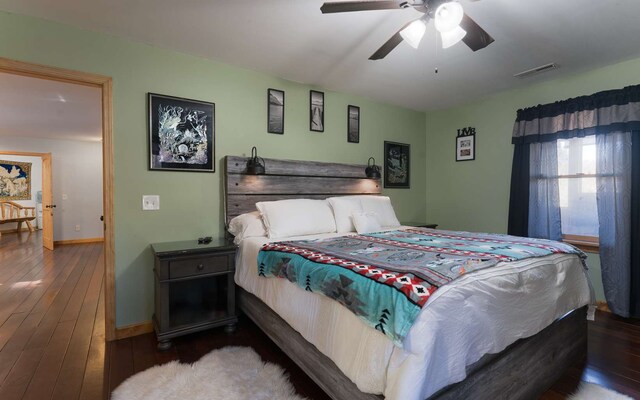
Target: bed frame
{"type": "Point", "coordinates": [524, 370]}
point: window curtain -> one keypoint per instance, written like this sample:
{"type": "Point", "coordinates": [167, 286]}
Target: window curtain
{"type": "Point", "coordinates": [614, 117]}
{"type": "Point", "coordinates": [544, 192]}
{"type": "Point", "coordinates": [613, 167]}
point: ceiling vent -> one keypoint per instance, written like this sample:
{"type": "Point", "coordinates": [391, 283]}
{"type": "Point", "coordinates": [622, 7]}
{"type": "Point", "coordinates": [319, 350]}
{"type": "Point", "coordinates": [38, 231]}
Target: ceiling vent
{"type": "Point", "coordinates": [537, 70]}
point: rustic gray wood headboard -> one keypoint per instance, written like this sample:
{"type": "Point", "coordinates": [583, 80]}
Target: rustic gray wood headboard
{"type": "Point", "coordinates": [290, 179]}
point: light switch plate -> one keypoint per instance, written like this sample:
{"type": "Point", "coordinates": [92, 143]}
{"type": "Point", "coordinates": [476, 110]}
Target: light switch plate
{"type": "Point", "coordinates": [150, 202]}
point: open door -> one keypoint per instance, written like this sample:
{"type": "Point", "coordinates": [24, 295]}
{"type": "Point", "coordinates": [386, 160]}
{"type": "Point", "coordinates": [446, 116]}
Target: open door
{"type": "Point", "coordinates": [47, 203]}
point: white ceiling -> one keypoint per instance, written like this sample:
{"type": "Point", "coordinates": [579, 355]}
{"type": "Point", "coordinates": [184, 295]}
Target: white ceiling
{"type": "Point", "coordinates": [33, 107]}
{"type": "Point", "coordinates": [293, 40]}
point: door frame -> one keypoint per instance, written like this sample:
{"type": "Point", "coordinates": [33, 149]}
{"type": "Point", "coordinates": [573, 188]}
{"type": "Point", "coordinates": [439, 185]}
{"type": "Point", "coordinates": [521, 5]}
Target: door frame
{"type": "Point", "coordinates": [42, 156]}
{"type": "Point", "coordinates": [105, 83]}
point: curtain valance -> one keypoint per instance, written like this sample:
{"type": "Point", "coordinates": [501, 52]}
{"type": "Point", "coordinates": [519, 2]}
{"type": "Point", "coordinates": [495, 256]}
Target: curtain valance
{"type": "Point", "coordinates": [600, 113]}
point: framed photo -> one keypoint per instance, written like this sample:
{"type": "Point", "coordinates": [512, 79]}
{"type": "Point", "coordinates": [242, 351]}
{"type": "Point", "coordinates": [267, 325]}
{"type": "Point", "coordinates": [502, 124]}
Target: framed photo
{"type": "Point", "coordinates": [181, 134]}
{"type": "Point", "coordinates": [353, 124]}
{"type": "Point", "coordinates": [276, 111]}
{"type": "Point", "coordinates": [396, 165]}
{"type": "Point", "coordinates": [15, 180]}
{"type": "Point", "coordinates": [465, 147]}
{"type": "Point", "coordinates": [316, 111]}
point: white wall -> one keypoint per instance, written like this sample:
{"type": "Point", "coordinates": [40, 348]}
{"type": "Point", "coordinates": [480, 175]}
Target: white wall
{"type": "Point", "coordinates": [36, 184]}
{"type": "Point", "coordinates": [77, 173]}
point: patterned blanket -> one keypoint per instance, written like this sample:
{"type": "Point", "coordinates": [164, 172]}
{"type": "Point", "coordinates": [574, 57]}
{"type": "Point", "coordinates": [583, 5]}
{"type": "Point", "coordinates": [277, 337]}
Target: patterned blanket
{"type": "Point", "coordinates": [386, 278]}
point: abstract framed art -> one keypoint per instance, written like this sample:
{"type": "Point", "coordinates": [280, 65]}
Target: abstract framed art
{"type": "Point", "coordinates": [15, 180]}
{"type": "Point", "coordinates": [275, 111]}
{"type": "Point", "coordinates": [316, 111]}
{"type": "Point", "coordinates": [353, 124]}
{"type": "Point", "coordinates": [181, 134]}
{"type": "Point", "coordinates": [397, 164]}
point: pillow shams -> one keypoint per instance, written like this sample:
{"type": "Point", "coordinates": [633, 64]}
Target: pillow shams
{"type": "Point", "coordinates": [344, 207]}
{"type": "Point", "coordinates": [247, 225]}
{"type": "Point", "coordinates": [297, 217]}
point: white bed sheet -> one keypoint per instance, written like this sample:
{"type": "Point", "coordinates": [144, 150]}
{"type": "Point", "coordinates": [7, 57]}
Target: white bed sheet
{"type": "Point", "coordinates": [476, 314]}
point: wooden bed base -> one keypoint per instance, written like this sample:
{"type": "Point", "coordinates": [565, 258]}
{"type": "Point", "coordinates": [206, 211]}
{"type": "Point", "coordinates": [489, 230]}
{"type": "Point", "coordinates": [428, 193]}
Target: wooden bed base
{"type": "Point", "coordinates": [524, 370]}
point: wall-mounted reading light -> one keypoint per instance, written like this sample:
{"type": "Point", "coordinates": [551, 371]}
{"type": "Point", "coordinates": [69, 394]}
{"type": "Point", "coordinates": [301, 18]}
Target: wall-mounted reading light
{"type": "Point", "coordinates": [372, 170]}
{"type": "Point", "coordinates": [255, 164]}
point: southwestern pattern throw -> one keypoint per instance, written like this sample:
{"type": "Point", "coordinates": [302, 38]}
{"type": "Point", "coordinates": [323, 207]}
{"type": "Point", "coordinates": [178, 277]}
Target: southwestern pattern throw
{"type": "Point", "coordinates": [385, 278]}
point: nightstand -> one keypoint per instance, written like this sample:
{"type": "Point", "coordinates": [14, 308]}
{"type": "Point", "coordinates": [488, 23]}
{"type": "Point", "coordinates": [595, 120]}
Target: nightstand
{"type": "Point", "coordinates": [420, 224]}
{"type": "Point", "coordinates": [194, 288]}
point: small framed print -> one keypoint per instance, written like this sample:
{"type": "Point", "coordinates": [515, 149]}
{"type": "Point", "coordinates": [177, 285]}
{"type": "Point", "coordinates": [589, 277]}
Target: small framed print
{"type": "Point", "coordinates": [316, 111]}
{"type": "Point", "coordinates": [353, 124]}
{"type": "Point", "coordinates": [181, 134]}
{"type": "Point", "coordinates": [466, 147]}
{"type": "Point", "coordinates": [276, 111]}
{"type": "Point", "coordinates": [397, 165]}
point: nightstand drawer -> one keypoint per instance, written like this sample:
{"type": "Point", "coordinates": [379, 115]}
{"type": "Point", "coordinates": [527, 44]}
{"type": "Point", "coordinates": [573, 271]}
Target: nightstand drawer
{"type": "Point", "coordinates": [198, 266]}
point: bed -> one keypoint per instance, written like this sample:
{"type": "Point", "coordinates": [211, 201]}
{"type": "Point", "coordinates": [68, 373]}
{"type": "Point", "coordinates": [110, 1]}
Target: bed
{"type": "Point", "coordinates": [349, 360]}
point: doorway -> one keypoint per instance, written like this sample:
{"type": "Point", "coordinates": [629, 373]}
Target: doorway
{"type": "Point", "coordinates": [104, 83]}
{"type": "Point", "coordinates": [45, 211]}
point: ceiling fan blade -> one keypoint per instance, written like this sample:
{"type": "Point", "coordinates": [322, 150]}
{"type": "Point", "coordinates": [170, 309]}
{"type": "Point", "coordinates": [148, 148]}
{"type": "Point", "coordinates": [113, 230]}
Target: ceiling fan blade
{"type": "Point", "coordinates": [390, 44]}
{"type": "Point", "coordinates": [346, 6]}
{"type": "Point", "coordinates": [476, 37]}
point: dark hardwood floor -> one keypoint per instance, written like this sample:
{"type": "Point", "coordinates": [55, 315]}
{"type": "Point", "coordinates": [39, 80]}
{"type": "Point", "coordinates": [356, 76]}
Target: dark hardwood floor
{"type": "Point", "coordinates": [52, 334]}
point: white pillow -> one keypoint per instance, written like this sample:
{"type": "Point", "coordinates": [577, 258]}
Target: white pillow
{"type": "Point", "coordinates": [366, 222]}
{"type": "Point", "coordinates": [286, 218]}
{"type": "Point", "coordinates": [247, 225]}
{"type": "Point", "coordinates": [344, 207]}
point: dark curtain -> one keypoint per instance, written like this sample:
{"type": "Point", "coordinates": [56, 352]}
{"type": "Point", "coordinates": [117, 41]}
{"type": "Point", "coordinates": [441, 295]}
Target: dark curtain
{"type": "Point", "coordinates": [602, 114]}
{"type": "Point", "coordinates": [634, 308]}
{"type": "Point", "coordinates": [519, 197]}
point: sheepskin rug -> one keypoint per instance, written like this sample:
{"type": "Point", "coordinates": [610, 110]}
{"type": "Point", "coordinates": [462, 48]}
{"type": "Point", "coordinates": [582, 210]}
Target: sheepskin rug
{"type": "Point", "coordinates": [591, 391]}
{"type": "Point", "coordinates": [229, 373]}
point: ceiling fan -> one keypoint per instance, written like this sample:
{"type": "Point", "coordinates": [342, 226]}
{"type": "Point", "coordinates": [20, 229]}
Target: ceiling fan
{"type": "Point", "coordinates": [449, 19]}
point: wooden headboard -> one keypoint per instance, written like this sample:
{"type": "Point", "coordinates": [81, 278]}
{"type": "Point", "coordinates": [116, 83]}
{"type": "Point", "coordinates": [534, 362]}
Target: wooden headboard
{"type": "Point", "coordinates": [290, 179]}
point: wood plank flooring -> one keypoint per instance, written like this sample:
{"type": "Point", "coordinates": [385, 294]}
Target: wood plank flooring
{"type": "Point", "coordinates": [52, 334]}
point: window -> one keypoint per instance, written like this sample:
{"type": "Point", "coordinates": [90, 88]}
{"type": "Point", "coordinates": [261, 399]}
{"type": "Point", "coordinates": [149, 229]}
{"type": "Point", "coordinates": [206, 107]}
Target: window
{"type": "Point", "coordinates": [577, 182]}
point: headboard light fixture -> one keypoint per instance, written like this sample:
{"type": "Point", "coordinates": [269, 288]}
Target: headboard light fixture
{"type": "Point", "coordinates": [255, 164]}
{"type": "Point", "coordinates": [372, 170]}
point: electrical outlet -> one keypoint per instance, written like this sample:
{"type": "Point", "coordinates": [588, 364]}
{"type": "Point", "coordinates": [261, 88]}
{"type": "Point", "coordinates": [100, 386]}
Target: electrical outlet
{"type": "Point", "coordinates": [77, 228]}
{"type": "Point", "coordinates": [150, 202]}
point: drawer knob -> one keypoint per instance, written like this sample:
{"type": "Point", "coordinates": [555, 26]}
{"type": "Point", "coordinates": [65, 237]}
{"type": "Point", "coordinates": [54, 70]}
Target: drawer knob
{"type": "Point", "coordinates": [200, 267]}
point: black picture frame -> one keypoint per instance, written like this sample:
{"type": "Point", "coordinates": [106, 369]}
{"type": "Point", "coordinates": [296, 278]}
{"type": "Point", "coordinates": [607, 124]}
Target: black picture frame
{"type": "Point", "coordinates": [397, 165]}
{"type": "Point", "coordinates": [181, 134]}
{"type": "Point", "coordinates": [316, 111]}
{"type": "Point", "coordinates": [353, 124]}
{"type": "Point", "coordinates": [466, 147]}
{"type": "Point", "coordinates": [275, 111]}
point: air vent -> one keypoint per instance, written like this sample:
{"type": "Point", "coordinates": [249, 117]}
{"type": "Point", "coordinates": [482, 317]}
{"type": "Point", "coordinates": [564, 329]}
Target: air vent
{"type": "Point", "coordinates": [537, 70]}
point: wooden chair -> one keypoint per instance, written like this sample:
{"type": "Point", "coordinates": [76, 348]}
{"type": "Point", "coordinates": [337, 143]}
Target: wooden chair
{"type": "Point", "coordinates": [14, 212]}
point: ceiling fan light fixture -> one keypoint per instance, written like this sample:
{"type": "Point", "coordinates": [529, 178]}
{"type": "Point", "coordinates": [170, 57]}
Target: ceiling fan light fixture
{"type": "Point", "coordinates": [452, 37]}
{"type": "Point", "coordinates": [414, 32]}
{"type": "Point", "coordinates": [448, 16]}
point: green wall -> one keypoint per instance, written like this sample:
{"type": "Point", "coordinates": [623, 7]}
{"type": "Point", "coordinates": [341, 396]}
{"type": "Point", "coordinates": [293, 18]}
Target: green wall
{"type": "Point", "coordinates": [474, 195]}
{"type": "Point", "coordinates": [191, 203]}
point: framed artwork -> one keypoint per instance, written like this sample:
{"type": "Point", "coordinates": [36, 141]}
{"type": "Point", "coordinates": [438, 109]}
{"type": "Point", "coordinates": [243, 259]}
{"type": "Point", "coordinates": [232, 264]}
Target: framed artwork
{"type": "Point", "coordinates": [276, 111]}
{"type": "Point", "coordinates": [181, 134]}
{"type": "Point", "coordinates": [316, 111]}
{"type": "Point", "coordinates": [396, 165]}
{"type": "Point", "coordinates": [465, 147]}
{"type": "Point", "coordinates": [15, 180]}
{"type": "Point", "coordinates": [353, 124]}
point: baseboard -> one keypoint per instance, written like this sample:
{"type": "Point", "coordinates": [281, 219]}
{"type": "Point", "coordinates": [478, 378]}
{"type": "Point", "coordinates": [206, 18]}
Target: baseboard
{"type": "Point", "coordinates": [78, 241]}
{"type": "Point", "coordinates": [134, 330]}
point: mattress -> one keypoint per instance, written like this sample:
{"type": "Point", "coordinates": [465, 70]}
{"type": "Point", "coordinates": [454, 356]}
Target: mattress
{"type": "Point", "coordinates": [479, 313]}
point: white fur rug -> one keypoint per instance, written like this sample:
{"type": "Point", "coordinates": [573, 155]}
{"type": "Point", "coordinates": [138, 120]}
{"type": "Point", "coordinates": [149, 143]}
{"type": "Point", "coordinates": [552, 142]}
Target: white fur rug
{"type": "Point", "coordinates": [229, 373]}
{"type": "Point", "coordinates": [591, 391]}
